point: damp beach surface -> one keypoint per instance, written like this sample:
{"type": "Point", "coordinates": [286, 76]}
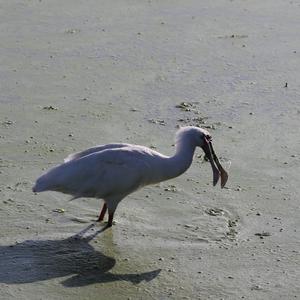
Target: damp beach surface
{"type": "Point", "coordinates": [75, 74]}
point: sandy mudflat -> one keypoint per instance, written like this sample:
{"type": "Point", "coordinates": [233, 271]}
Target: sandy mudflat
{"type": "Point", "coordinates": [74, 74]}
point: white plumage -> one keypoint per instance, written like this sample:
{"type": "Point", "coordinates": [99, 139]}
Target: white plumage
{"type": "Point", "coordinates": [111, 172]}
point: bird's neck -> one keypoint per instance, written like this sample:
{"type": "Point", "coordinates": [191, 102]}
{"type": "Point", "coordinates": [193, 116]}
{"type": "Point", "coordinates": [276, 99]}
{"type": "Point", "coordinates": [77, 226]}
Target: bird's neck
{"type": "Point", "coordinates": [180, 161]}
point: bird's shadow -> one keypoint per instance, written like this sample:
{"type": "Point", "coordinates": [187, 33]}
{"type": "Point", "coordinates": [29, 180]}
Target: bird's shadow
{"type": "Point", "coordinates": [38, 260]}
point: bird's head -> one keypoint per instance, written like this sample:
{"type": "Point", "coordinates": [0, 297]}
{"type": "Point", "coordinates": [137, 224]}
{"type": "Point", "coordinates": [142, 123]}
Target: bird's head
{"type": "Point", "coordinates": [201, 137]}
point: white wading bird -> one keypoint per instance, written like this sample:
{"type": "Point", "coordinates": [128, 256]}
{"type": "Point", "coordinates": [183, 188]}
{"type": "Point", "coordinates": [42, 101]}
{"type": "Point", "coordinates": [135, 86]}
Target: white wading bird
{"type": "Point", "coordinates": [113, 171]}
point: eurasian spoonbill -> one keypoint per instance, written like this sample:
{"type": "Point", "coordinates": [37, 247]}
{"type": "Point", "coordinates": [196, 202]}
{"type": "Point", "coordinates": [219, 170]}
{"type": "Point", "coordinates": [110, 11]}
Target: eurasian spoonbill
{"type": "Point", "coordinates": [113, 171]}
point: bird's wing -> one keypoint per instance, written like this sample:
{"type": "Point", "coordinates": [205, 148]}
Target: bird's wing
{"type": "Point", "coordinates": [86, 152]}
{"type": "Point", "coordinates": [113, 171]}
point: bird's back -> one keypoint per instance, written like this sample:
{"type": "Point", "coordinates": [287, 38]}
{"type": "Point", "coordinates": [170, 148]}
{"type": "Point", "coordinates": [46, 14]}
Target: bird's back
{"type": "Point", "coordinates": [91, 150]}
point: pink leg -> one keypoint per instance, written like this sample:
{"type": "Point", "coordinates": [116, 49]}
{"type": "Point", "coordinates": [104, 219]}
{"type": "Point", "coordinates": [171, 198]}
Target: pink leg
{"type": "Point", "coordinates": [102, 213]}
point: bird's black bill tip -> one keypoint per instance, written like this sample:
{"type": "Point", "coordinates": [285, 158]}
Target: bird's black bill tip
{"type": "Point", "coordinates": [222, 172]}
{"type": "Point", "coordinates": [224, 177]}
{"type": "Point", "coordinates": [216, 176]}
{"type": "Point", "coordinates": [217, 168]}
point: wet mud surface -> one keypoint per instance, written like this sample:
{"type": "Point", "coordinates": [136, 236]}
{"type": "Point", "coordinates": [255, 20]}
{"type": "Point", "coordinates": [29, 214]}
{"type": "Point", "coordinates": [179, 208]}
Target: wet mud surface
{"type": "Point", "coordinates": [77, 74]}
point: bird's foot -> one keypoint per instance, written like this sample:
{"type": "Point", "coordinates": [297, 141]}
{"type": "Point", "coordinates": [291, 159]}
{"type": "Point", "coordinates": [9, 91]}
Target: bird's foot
{"type": "Point", "coordinates": [107, 223]}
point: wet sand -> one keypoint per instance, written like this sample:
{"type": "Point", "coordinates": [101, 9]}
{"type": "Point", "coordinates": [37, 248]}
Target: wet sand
{"type": "Point", "coordinates": [75, 74]}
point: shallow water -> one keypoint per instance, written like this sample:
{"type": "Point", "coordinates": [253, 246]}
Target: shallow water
{"type": "Point", "coordinates": [78, 74]}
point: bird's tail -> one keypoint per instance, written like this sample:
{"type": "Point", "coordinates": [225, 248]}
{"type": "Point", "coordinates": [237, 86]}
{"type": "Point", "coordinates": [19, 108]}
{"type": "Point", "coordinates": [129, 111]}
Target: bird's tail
{"type": "Point", "coordinates": [40, 186]}
{"type": "Point", "coordinates": [46, 182]}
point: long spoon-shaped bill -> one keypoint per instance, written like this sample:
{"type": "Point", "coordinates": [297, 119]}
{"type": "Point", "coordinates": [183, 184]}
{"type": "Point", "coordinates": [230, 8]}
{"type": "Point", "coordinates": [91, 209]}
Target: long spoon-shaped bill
{"type": "Point", "coordinates": [207, 150]}
{"type": "Point", "coordinates": [224, 174]}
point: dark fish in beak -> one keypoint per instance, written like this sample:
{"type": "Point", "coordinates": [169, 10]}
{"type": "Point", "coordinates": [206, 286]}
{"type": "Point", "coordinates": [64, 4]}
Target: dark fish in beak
{"type": "Point", "coordinates": [217, 168]}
